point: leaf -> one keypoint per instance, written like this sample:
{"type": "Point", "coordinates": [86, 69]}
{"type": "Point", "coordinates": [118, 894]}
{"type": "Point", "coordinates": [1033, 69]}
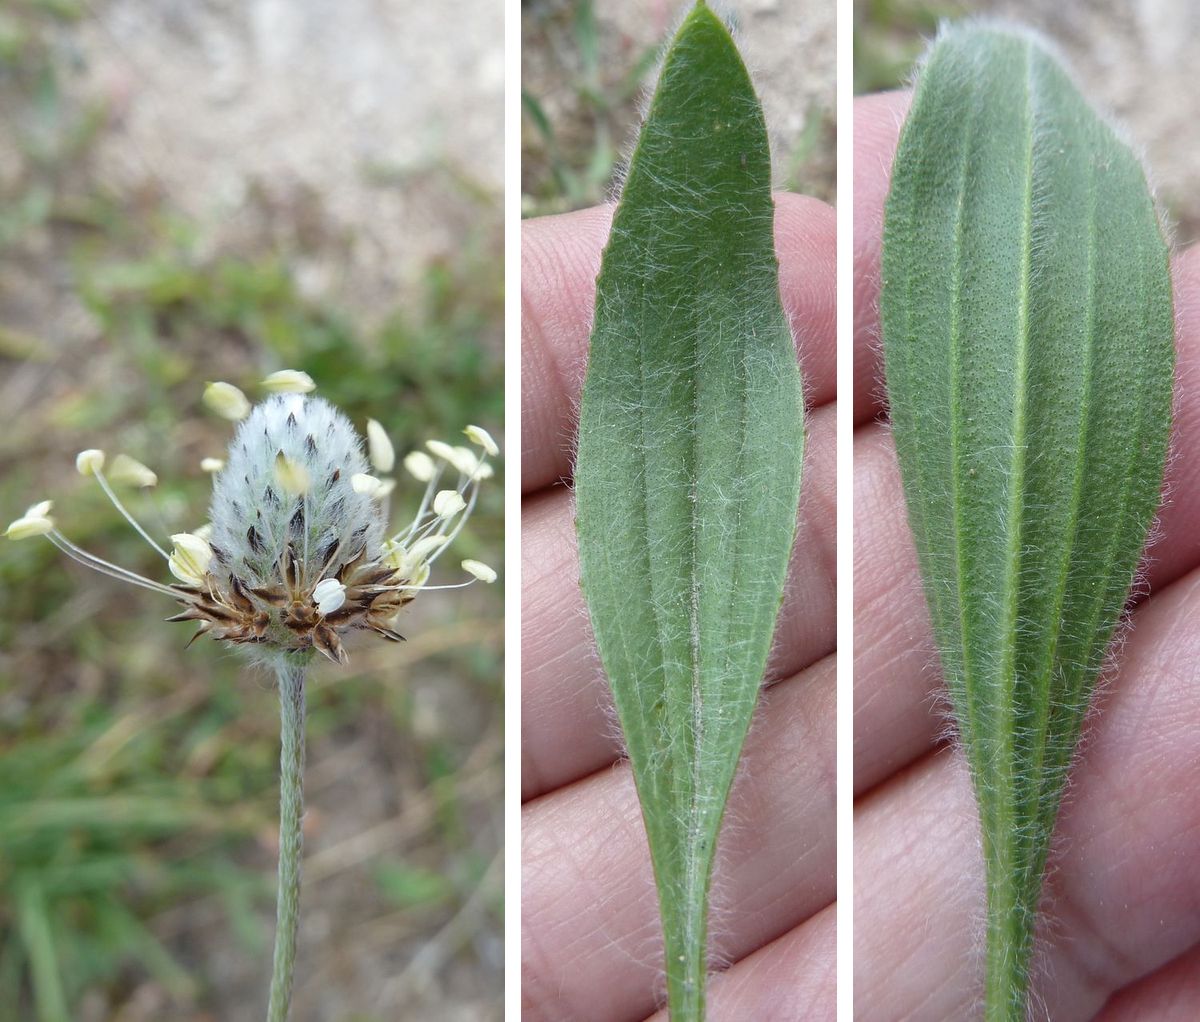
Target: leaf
{"type": "Point", "coordinates": [37, 934]}
{"type": "Point", "coordinates": [688, 475]}
{"type": "Point", "coordinates": [1027, 325]}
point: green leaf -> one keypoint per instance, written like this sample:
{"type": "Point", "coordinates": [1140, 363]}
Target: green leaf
{"type": "Point", "coordinates": [1027, 327]}
{"type": "Point", "coordinates": [37, 934]}
{"type": "Point", "coordinates": [688, 476]}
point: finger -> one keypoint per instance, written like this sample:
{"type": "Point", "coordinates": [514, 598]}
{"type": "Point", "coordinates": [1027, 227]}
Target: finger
{"type": "Point", "coordinates": [560, 257]}
{"type": "Point", "coordinates": [589, 912]}
{"type": "Point", "coordinates": [1121, 896]}
{"type": "Point", "coordinates": [1172, 994]}
{"type": "Point", "coordinates": [793, 977]}
{"type": "Point", "coordinates": [895, 681]}
{"type": "Point", "coordinates": [877, 122]}
{"type": "Point", "coordinates": [567, 723]}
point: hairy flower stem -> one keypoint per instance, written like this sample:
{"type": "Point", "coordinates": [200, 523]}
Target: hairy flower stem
{"type": "Point", "coordinates": [291, 673]}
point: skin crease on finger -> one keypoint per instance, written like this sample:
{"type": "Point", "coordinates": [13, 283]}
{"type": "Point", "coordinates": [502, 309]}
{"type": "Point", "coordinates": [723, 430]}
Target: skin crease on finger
{"type": "Point", "coordinates": [1169, 995]}
{"type": "Point", "coordinates": [589, 911]}
{"type": "Point", "coordinates": [1122, 894]}
{"type": "Point", "coordinates": [793, 977]}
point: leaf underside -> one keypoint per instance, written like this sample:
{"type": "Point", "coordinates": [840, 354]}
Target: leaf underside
{"type": "Point", "coordinates": [688, 472]}
{"type": "Point", "coordinates": [1027, 325]}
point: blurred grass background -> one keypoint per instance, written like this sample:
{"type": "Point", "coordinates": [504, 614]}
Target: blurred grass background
{"type": "Point", "coordinates": [1135, 59]}
{"type": "Point", "coordinates": [138, 782]}
{"type": "Point", "coordinates": [586, 68]}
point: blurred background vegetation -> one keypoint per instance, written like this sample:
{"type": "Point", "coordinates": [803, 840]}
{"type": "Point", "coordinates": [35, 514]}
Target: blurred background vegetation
{"type": "Point", "coordinates": [1135, 59]}
{"type": "Point", "coordinates": [586, 68]}
{"type": "Point", "coordinates": [138, 781]}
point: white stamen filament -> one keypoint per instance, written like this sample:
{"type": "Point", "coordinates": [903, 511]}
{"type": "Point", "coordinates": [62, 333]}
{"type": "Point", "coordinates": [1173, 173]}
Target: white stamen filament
{"type": "Point", "coordinates": [111, 494]}
{"type": "Point", "coordinates": [424, 588]}
{"type": "Point", "coordinates": [472, 494]}
{"type": "Point", "coordinates": [81, 556]}
{"type": "Point", "coordinates": [418, 519]}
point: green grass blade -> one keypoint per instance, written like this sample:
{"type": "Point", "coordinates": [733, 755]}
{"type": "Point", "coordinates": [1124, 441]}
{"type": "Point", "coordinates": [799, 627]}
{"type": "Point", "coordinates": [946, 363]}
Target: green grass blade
{"type": "Point", "coordinates": [37, 934]}
{"type": "Point", "coordinates": [1027, 323]}
{"type": "Point", "coordinates": [688, 475]}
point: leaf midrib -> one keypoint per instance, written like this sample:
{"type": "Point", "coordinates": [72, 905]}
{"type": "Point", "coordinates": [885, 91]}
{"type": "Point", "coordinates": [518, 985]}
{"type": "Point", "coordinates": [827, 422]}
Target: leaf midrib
{"type": "Point", "coordinates": [1004, 721]}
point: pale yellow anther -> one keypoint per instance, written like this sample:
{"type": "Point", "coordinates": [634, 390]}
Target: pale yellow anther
{"type": "Point", "coordinates": [131, 472]}
{"type": "Point", "coordinates": [89, 462]}
{"type": "Point", "coordinates": [226, 400]}
{"type": "Point", "coordinates": [467, 461]}
{"type": "Point", "coordinates": [39, 510]}
{"type": "Point", "coordinates": [393, 553]}
{"type": "Point", "coordinates": [30, 525]}
{"type": "Point", "coordinates": [420, 466]}
{"type": "Point", "coordinates": [291, 475]}
{"type": "Point", "coordinates": [190, 559]}
{"type": "Point", "coordinates": [379, 448]}
{"type": "Point", "coordinates": [424, 548]}
{"type": "Point", "coordinates": [385, 487]}
{"type": "Point", "coordinates": [479, 435]}
{"type": "Point", "coordinates": [289, 381]}
{"type": "Point", "coordinates": [484, 471]}
{"type": "Point", "coordinates": [212, 464]}
{"type": "Point", "coordinates": [480, 570]}
{"type": "Point", "coordinates": [462, 458]}
{"type": "Point", "coordinates": [447, 503]}
{"type": "Point", "coordinates": [361, 482]}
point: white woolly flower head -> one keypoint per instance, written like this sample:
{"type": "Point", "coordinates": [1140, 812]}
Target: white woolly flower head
{"type": "Point", "coordinates": [297, 551]}
{"type": "Point", "coordinates": [259, 521]}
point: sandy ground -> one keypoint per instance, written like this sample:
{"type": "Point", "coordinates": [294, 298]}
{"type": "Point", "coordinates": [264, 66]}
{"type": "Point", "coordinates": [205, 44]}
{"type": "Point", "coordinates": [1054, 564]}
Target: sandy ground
{"type": "Point", "coordinates": [375, 106]}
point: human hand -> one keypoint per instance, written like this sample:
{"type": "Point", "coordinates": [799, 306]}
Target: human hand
{"type": "Point", "coordinates": [1118, 939]}
{"type": "Point", "coordinates": [591, 940]}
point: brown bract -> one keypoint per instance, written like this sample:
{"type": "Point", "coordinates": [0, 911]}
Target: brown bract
{"type": "Point", "coordinates": [285, 614]}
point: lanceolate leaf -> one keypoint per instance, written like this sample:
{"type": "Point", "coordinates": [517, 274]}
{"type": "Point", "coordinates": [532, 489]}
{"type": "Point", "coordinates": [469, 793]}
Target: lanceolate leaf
{"type": "Point", "coordinates": [1027, 330]}
{"type": "Point", "coordinates": [688, 475]}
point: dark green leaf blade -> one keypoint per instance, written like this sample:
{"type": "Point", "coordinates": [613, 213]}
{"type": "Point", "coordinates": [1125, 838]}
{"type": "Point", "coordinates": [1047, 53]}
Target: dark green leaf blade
{"type": "Point", "coordinates": [1028, 342]}
{"type": "Point", "coordinates": [688, 474]}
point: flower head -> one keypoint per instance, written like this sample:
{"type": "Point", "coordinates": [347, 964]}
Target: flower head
{"type": "Point", "coordinates": [297, 551]}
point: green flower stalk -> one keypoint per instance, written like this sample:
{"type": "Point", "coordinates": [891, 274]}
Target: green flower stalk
{"type": "Point", "coordinates": [297, 553]}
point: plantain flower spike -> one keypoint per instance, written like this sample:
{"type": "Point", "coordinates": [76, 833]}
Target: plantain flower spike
{"type": "Point", "coordinates": [296, 552]}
